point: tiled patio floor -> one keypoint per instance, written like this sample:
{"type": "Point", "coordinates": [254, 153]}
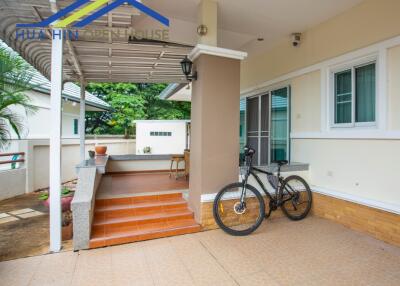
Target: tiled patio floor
{"type": "Point", "coordinates": [310, 252]}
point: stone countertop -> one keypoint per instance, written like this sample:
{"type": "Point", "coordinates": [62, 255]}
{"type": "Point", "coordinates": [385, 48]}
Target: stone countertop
{"type": "Point", "coordinates": [133, 157]}
{"type": "Point", "coordinates": [99, 162]}
{"type": "Point", "coordinates": [292, 167]}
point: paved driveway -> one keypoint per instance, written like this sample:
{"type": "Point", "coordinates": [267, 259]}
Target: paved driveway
{"type": "Point", "coordinates": [281, 252]}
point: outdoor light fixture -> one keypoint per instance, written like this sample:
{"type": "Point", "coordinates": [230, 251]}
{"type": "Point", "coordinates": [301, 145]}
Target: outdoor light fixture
{"type": "Point", "coordinates": [187, 66]}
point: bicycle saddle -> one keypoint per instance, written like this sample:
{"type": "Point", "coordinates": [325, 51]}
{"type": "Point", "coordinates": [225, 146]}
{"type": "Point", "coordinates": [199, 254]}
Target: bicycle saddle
{"type": "Point", "coordinates": [282, 162]}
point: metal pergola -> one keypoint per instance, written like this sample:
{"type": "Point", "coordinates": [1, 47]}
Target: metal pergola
{"type": "Point", "coordinates": [105, 58]}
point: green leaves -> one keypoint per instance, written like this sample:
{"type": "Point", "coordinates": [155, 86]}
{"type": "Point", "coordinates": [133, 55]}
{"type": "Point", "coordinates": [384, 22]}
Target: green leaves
{"type": "Point", "coordinates": [15, 77]}
{"type": "Point", "coordinates": [132, 102]}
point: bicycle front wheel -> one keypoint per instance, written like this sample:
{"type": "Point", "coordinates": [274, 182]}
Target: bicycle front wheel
{"type": "Point", "coordinates": [233, 216]}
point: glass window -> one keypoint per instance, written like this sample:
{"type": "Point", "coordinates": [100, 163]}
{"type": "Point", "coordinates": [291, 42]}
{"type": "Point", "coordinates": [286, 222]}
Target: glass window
{"type": "Point", "coordinates": [279, 124]}
{"type": "Point", "coordinates": [365, 93]}
{"type": "Point", "coordinates": [343, 97]}
{"type": "Point", "coordinates": [355, 95]}
{"type": "Point", "coordinates": [76, 129]}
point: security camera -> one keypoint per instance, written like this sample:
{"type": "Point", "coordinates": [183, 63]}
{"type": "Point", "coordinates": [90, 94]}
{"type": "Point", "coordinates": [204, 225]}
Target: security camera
{"type": "Point", "coordinates": [296, 39]}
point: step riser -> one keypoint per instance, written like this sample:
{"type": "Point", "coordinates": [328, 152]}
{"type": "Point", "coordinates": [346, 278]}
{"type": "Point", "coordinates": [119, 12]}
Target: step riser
{"type": "Point", "coordinates": [137, 211]}
{"type": "Point", "coordinates": [117, 225]}
{"type": "Point", "coordinates": [122, 240]}
{"type": "Point", "coordinates": [125, 220]}
{"type": "Point", "coordinates": [141, 199]}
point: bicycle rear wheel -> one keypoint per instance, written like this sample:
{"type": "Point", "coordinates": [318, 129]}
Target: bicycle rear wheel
{"type": "Point", "coordinates": [236, 218]}
{"type": "Point", "coordinates": [296, 196]}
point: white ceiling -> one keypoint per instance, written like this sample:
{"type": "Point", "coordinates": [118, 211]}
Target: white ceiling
{"type": "Point", "coordinates": [242, 22]}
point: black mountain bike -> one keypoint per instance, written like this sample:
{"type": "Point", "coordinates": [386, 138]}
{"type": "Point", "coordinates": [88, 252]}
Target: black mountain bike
{"type": "Point", "coordinates": [239, 208]}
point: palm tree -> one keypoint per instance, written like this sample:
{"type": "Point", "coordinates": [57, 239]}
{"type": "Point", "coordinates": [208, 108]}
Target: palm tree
{"type": "Point", "coordinates": [15, 77]}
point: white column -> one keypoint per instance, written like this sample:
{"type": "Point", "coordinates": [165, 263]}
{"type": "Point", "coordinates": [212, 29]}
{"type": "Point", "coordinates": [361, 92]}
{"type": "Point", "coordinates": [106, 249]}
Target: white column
{"type": "Point", "coordinates": [55, 140]}
{"type": "Point", "coordinates": [82, 122]}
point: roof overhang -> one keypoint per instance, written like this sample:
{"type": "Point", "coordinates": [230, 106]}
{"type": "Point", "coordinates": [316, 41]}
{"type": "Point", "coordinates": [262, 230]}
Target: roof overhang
{"type": "Point", "coordinates": [112, 56]}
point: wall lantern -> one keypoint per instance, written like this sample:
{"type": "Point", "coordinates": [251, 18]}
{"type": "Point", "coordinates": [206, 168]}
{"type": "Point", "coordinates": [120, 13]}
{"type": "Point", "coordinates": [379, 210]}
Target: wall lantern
{"type": "Point", "coordinates": [187, 66]}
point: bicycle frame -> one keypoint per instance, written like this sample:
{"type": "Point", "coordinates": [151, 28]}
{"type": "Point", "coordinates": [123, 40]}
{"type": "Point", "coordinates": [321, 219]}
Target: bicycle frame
{"type": "Point", "coordinates": [252, 171]}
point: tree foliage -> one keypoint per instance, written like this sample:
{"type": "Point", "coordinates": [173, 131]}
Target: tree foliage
{"type": "Point", "coordinates": [15, 77]}
{"type": "Point", "coordinates": [131, 102]}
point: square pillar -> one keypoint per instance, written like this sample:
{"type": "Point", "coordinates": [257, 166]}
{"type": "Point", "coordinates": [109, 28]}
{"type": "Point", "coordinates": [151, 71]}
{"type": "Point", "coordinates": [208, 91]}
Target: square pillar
{"type": "Point", "coordinates": [82, 113]}
{"type": "Point", "coordinates": [215, 124]}
{"type": "Point", "coordinates": [55, 139]}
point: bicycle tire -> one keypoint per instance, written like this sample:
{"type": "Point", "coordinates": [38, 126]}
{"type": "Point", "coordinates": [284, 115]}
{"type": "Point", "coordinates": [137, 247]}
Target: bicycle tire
{"type": "Point", "coordinates": [228, 229]}
{"type": "Point", "coordinates": [285, 209]}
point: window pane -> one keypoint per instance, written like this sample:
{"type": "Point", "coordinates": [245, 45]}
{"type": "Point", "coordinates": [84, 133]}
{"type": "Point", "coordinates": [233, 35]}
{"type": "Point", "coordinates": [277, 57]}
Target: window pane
{"type": "Point", "coordinates": [279, 124]}
{"type": "Point", "coordinates": [365, 93]}
{"type": "Point", "coordinates": [242, 124]}
{"type": "Point", "coordinates": [76, 122]}
{"type": "Point", "coordinates": [343, 97]}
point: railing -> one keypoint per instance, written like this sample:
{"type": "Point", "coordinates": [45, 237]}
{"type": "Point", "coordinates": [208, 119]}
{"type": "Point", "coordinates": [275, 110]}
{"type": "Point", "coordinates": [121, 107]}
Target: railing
{"type": "Point", "coordinates": [14, 158]}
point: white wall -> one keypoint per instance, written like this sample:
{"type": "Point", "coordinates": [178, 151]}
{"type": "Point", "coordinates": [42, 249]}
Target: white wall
{"type": "Point", "coordinates": [34, 173]}
{"type": "Point", "coordinates": [12, 183]}
{"type": "Point", "coordinates": [38, 124]}
{"type": "Point", "coordinates": [70, 157]}
{"type": "Point", "coordinates": [174, 144]}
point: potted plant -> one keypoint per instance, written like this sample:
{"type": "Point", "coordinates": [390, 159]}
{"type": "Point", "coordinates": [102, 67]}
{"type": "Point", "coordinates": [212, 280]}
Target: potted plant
{"type": "Point", "coordinates": [147, 150]}
{"type": "Point", "coordinates": [100, 150]}
{"type": "Point", "coordinates": [66, 199]}
{"type": "Point", "coordinates": [66, 230]}
{"type": "Point", "coordinates": [92, 154]}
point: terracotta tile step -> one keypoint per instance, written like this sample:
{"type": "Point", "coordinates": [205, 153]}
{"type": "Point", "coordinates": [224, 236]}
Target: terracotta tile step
{"type": "Point", "coordinates": [143, 219]}
{"type": "Point", "coordinates": [142, 205]}
{"type": "Point", "coordinates": [138, 199]}
{"type": "Point", "coordinates": [134, 234]}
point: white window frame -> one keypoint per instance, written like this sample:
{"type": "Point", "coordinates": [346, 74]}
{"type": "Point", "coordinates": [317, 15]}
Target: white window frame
{"type": "Point", "coordinates": [353, 65]}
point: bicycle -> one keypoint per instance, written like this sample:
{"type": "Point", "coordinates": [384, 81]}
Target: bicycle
{"type": "Point", "coordinates": [239, 208]}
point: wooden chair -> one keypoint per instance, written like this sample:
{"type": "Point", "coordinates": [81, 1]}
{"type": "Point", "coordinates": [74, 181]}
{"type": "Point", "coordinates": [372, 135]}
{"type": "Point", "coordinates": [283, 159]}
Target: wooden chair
{"type": "Point", "coordinates": [176, 158]}
{"type": "Point", "coordinates": [187, 163]}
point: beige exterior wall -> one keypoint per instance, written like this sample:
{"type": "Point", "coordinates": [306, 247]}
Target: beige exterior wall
{"type": "Point", "coordinates": [214, 150]}
{"type": "Point", "coordinates": [365, 169]}
{"type": "Point", "coordinates": [367, 23]}
{"type": "Point", "coordinates": [394, 88]}
{"type": "Point", "coordinates": [306, 102]}
{"type": "Point", "coordinates": [359, 164]}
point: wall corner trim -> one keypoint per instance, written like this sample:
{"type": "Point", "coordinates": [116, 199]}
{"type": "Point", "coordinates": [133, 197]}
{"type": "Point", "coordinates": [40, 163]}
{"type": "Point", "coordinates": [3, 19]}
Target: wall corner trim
{"type": "Point", "coordinates": [201, 49]}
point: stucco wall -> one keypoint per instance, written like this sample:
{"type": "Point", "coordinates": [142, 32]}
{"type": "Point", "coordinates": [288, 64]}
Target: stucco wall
{"type": "Point", "coordinates": [174, 144]}
{"type": "Point", "coordinates": [38, 124]}
{"type": "Point", "coordinates": [357, 164]}
{"type": "Point", "coordinates": [12, 183]}
{"type": "Point", "coordinates": [306, 102]}
{"type": "Point", "coordinates": [394, 88]}
{"type": "Point", "coordinates": [365, 24]}
{"type": "Point", "coordinates": [70, 157]}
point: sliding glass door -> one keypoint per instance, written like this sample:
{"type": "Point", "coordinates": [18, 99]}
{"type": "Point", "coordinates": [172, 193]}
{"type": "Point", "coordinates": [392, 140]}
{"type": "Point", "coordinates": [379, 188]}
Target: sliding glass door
{"type": "Point", "coordinates": [258, 127]}
{"type": "Point", "coordinates": [267, 125]}
{"type": "Point", "coordinates": [280, 124]}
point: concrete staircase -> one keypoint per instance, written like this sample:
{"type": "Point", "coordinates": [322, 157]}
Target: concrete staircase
{"type": "Point", "coordinates": [124, 220]}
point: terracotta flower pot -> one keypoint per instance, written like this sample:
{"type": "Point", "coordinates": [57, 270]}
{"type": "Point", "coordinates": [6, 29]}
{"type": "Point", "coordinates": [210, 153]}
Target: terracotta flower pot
{"type": "Point", "coordinates": [65, 203]}
{"type": "Point", "coordinates": [66, 232]}
{"type": "Point", "coordinates": [100, 150]}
